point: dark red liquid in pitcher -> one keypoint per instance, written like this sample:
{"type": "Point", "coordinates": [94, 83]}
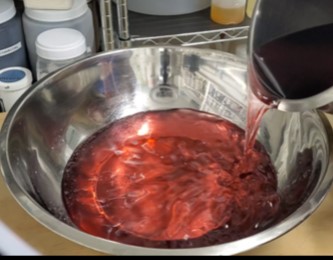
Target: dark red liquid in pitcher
{"type": "Point", "coordinates": [170, 179]}
{"type": "Point", "coordinates": [294, 66]}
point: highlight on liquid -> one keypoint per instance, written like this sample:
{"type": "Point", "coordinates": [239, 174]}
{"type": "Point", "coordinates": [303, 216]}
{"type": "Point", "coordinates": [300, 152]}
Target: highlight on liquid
{"type": "Point", "coordinates": [171, 179]}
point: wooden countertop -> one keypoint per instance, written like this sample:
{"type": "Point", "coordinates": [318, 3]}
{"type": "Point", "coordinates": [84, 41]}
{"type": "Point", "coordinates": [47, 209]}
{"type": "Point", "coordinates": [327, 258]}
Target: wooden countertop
{"type": "Point", "coordinates": [312, 237]}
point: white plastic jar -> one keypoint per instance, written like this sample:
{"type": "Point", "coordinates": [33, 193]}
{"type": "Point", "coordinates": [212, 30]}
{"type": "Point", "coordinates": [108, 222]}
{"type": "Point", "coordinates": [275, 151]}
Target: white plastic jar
{"type": "Point", "coordinates": [36, 21]}
{"type": "Point", "coordinates": [48, 4]}
{"type": "Point", "coordinates": [14, 81]}
{"type": "Point", "coordinates": [57, 48]}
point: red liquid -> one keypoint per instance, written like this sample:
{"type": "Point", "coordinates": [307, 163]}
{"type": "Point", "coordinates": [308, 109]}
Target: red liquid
{"type": "Point", "coordinates": [295, 66]}
{"type": "Point", "coordinates": [255, 113]}
{"type": "Point", "coordinates": [170, 179]}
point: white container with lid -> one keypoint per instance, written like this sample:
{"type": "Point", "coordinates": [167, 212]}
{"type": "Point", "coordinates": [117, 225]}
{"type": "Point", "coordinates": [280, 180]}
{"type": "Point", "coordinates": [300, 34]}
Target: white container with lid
{"type": "Point", "coordinates": [7, 10]}
{"type": "Point", "coordinates": [57, 48]}
{"type": "Point", "coordinates": [36, 21]}
{"type": "Point", "coordinates": [170, 7]}
{"type": "Point", "coordinates": [48, 4]}
{"type": "Point", "coordinates": [14, 81]}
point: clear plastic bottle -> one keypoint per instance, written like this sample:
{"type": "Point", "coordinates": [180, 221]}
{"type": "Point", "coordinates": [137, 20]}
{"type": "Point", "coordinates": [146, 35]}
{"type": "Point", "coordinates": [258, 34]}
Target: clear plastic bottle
{"type": "Point", "coordinates": [250, 7]}
{"type": "Point", "coordinates": [227, 12]}
{"type": "Point", "coordinates": [57, 48]}
{"type": "Point", "coordinates": [36, 21]}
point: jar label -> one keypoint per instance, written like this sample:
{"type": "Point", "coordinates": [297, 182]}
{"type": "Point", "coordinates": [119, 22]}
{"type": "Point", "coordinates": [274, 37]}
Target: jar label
{"type": "Point", "coordinates": [11, 49]}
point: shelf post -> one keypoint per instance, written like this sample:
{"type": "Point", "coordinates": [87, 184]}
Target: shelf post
{"type": "Point", "coordinates": [105, 7]}
{"type": "Point", "coordinates": [123, 24]}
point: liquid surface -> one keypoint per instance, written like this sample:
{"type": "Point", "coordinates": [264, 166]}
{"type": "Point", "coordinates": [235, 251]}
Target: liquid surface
{"type": "Point", "coordinates": [170, 179]}
{"type": "Point", "coordinates": [294, 66]}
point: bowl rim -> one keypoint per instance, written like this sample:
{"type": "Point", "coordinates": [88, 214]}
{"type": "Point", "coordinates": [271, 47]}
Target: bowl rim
{"type": "Point", "coordinates": [66, 231]}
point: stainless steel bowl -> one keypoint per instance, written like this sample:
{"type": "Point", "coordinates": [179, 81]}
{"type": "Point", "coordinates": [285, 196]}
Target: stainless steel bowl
{"type": "Point", "coordinates": [50, 120]}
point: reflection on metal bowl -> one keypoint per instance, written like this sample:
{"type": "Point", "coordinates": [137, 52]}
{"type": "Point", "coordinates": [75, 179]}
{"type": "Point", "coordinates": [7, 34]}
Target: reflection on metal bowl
{"type": "Point", "coordinates": [52, 118]}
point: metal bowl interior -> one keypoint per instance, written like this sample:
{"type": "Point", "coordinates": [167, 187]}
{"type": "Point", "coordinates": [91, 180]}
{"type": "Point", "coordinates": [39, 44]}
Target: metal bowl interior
{"type": "Point", "coordinates": [52, 118]}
